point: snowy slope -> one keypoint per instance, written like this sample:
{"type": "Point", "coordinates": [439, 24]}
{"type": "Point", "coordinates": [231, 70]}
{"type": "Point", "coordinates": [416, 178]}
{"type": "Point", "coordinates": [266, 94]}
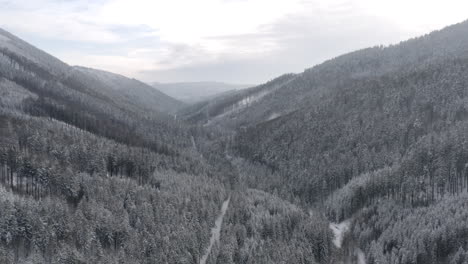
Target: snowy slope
{"type": "Point", "coordinates": [16, 54]}
{"type": "Point", "coordinates": [135, 90]}
{"type": "Point", "coordinates": [13, 44]}
{"type": "Point", "coordinates": [339, 230]}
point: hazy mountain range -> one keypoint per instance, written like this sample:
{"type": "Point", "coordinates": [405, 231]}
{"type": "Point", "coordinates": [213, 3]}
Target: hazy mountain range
{"type": "Point", "coordinates": [361, 159]}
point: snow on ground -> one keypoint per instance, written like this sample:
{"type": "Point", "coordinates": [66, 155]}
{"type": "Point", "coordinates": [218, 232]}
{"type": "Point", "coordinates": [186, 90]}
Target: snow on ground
{"type": "Point", "coordinates": [251, 99]}
{"type": "Point", "coordinates": [273, 116]}
{"type": "Point", "coordinates": [245, 102]}
{"type": "Point", "coordinates": [194, 145]}
{"type": "Point", "coordinates": [339, 230]}
{"type": "Point", "coordinates": [361, 258]}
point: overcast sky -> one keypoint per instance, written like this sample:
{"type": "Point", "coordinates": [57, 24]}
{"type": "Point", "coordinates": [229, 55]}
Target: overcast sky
{"type": "Point", "coordinates": [236, 41]}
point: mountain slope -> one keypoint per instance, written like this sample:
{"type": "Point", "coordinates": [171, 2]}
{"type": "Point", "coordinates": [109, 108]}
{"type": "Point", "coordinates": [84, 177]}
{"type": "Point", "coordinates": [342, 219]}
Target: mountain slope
{"type": "Point", "coordinates": [9, 42]}
{"type": "Point", "coordinates": [307, 88]}
{"type": "Point", "coordinates": [115, 87]}
{"type": "Point", "coordinates": [237, 108]}
{"type": "Point", "coordinates": [88, 100]}
{"type": "Point", "coordinates": [134, 90]}
{"type": "Point", "coordinates": [379, 127]}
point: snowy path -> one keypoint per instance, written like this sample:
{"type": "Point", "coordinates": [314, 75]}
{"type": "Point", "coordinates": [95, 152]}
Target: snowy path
{"type": "Point", "coordinates": [194, 145]}
{"type": "Point", "coordinates": [216, 231]}
{"type": "Point", "coordinates": [361, 258]}
{"type": "Point", "coordinates": [339, 231]}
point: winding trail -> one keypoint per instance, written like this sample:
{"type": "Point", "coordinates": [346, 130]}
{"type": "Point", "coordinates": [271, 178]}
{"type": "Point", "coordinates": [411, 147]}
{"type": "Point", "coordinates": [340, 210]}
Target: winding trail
{"type": "Point", "coordinates": [194, 145]}
{"type": "Point", "coordinates": [361, 258]}
{"type": "Point", "coordinates": [216, 231]}
{"type": "Point", "coordinates": [339, 230]}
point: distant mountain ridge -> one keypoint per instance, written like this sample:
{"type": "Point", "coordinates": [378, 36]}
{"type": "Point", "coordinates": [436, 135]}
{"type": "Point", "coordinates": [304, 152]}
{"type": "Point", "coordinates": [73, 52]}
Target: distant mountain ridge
{"type": "Point", "coordinates": [193, 92]}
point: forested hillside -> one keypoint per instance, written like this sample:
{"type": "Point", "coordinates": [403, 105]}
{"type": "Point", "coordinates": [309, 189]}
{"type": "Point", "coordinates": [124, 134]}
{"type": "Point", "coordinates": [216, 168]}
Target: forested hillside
{"type": "Point", "coordinates": [377, 137]}
{"type": "Point", "coordinates": [92, 174]}
{"type": "Point", "coordinates": [361, 159]}
{"type": "Point", "coordinates": [94, 168]}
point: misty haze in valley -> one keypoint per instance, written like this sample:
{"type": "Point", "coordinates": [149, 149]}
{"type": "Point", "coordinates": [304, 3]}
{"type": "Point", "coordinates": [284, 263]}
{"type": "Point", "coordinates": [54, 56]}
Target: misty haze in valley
{"type": "Point", "coordinates": [194, 92]}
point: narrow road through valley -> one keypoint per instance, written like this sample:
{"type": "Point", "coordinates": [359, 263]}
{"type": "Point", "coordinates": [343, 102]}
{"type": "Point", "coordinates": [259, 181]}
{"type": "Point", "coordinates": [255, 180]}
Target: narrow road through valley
{"type": "Point", "coordinates": [215, 231]}
{"type": "Point", "coordinates": [339, 230]}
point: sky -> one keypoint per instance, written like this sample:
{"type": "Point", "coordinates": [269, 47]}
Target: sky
{"type": "Point", "coordinates": [234, 41]}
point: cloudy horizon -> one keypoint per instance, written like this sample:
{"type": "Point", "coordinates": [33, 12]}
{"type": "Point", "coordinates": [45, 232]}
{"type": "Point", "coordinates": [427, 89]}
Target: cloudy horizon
{"type": "Point", "coordinates": [233, 41]}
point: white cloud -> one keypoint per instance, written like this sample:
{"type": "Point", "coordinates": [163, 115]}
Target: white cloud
{"type": "Point", "coordinates": [161, 36]}
{"type": "Point", "coordinates": [55, 20]}
{"type": "Point", "coordinates": [118, 64]}
{"type": "Point", "coordinates": [190, 22]}
{"type": "Point", "coordinates": [417, 16]}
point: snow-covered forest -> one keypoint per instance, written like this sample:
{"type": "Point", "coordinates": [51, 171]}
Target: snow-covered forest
{"type": "Point", "coordinates": [361, 159]}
